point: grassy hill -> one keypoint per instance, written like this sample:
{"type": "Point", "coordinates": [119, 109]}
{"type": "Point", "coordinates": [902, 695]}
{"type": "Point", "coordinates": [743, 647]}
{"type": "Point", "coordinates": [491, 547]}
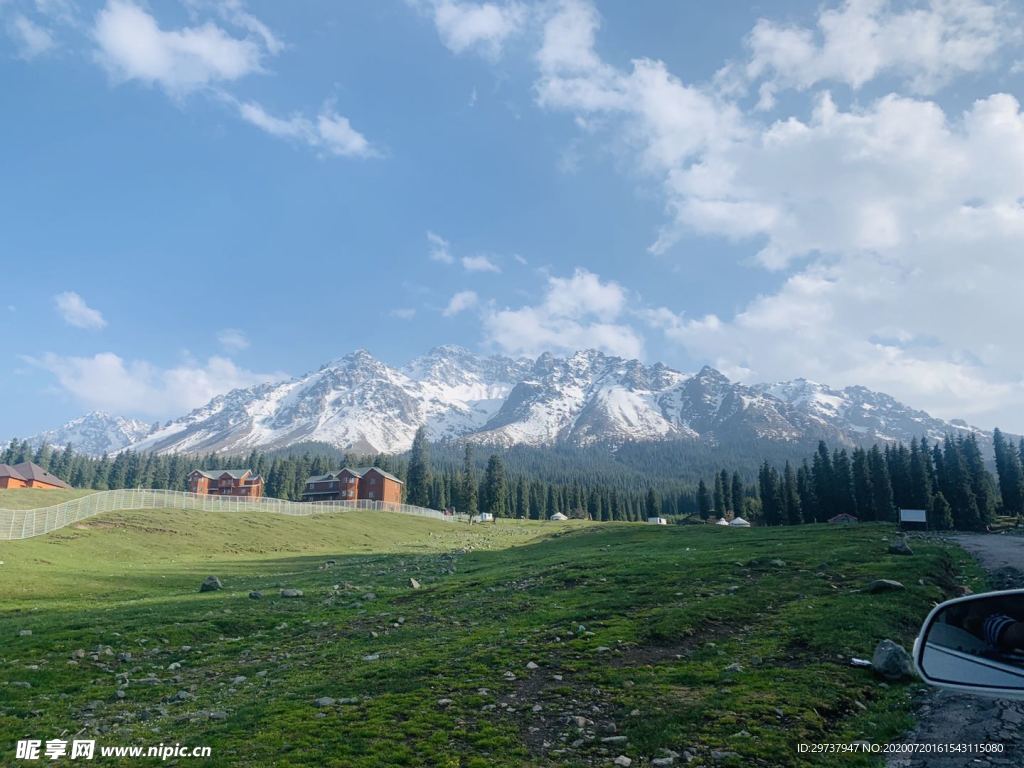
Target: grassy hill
{"type": "Point", "coordinates": [30, 498]}
{"type": "Point", "coordinates": [528, 644]}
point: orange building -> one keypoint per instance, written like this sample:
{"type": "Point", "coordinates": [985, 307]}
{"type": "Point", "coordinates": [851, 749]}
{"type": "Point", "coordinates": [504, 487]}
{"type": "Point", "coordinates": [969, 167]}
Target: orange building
{"type": "Point", "coordinates": [29, 475]}
{"type": "Point", "coordinates": [226, 482]}
{"type": "Point", "coordinates": [349, 484]}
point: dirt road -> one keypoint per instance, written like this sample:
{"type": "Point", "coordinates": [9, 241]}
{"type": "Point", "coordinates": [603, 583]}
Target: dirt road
{"type": "Point", "coordinates": [945, 717]}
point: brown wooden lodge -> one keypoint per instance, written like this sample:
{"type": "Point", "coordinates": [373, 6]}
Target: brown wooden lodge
{"type": "Point", "coordinates": [351, 484]}
{"type": "Point", "coordinates": [226, 482]}
{"type": "Point", "coordinates": [28, 475]}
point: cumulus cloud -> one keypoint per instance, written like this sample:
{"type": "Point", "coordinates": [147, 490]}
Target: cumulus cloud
{"type": "Point", "coordinates": [31, 38]}
{"type": "Point", "coordinates": [108, 382]}
{"type": "Point", "coordinates": [460, 302]}
{"type": "Point", "coordinates": [479, 263]}
{"type": "Point", "coordinates": [232, 339]}
{"type": "Point", "coordinates": [576, 312]}
{"type": "Point", "coordinates": [925, 44]}
{"type": "Point", "coordinates": [440, 249]}
{"type": "Point", "coordinates": [76, 312]}
{"type": "Point", "coordinates": [330, 131]}
{"type": "Point", "coordinates": [132, 46]}
{"type": "Point", "coordinates": [479, 27]}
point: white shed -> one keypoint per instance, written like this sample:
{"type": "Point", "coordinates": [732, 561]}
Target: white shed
{"type": "Point", "coordinates": [657, 521]}
{"type": "Point", "coordinates": [739, 522]}
{"type": "Point", "coordinates": [486, 517]}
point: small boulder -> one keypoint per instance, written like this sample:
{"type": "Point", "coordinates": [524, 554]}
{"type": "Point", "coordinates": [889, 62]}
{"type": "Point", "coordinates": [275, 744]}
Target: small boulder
{"type": "Point", "coordinates": [622, 761]}
{"type": "Point", "coordinates": [900, 547]}
{"type": "Point", "coordinates": [531, 665]}
{"type": "Point", "coordinates": [891, 661]}
{"type": "Point", "coordinates": [255, 595]}
{"type": "Point", "coordinates": [291, 593]}
{"type": "Point", "coordinates": [25, 633]}
{"type": "Point", "coordinates": [324, 701]}
{"type": "Point", "coordinates": [414, 584]}
{"type": "Point", "coordinates": [218, 715]}
{"type": "Point", "coordinates": [883, 585]}
{"type": "Point", "coordinates": [369, 596]}
{"type": "Point", "coordinates": [182, 696]}
{"type": "Point", "coordinates": [371, 657]}
{"type": "Point", "coordinates": [211, 584]}
{"type": "Point", "coordinates": [444, 702]}
{"type": "Point", "coordinates": [661, 762]}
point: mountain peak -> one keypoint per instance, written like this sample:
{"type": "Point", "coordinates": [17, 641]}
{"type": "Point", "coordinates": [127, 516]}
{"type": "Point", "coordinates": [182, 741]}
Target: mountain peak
{"type": "Point", "coordinates": [587, 397]}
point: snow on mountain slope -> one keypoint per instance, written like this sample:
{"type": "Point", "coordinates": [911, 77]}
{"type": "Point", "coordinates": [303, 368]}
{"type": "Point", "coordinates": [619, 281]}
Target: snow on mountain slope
{"type": "Point", "coordinates": [95, 433]}
{"type": "Point", "coordinates": [358, 403]}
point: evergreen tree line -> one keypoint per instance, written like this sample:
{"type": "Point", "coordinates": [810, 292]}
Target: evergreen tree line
{"type": "Point", "coordinates": [949, 480]}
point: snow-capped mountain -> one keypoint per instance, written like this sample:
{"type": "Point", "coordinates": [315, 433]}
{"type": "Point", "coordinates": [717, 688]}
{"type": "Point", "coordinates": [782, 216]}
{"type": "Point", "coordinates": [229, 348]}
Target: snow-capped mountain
{"type": "Point", "coordinates": [358, 403]}
{"type": "Point", "coordinates": [95, 433]}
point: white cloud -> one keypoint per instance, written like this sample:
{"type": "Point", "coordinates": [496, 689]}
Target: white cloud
{"type": "Point", "coordinates": [108, 382]}
{"type": "Point", "coordinates": [460, 302]}
{"type": "Point", "coordinates": [329, 131]}
{"type": "Point", "coordinates": [31, 38]}
{"type": "Point", "coordinates": [132, 46]}
{"type": "Point", "coordinates": [479, 263]}
{"type": "Point", "coordinates": [76, 312]}
{"type": "Point", "coordinates": [232, 339]}
{"type": "Point", "coordinates": [480, 27]}
{"type": "Point", "coordinates": [404, 313]}
{"type": "Point", "coordinates": [440, 249]}
{"type": "Point", "coordinates": [576, 312]}
{"type": "Point", "coordinates": [925, 44]}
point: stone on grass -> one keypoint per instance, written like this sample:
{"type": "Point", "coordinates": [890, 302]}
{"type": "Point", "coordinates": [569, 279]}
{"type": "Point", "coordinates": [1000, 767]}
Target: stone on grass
{"type": "Point", "coordinates": [891, 661]}
{"type": "Point", "coordinates": [218, 715]}
{"type": "Point", "coordinates": [25, 633]}
{"type": "Point", "coordinates": [210, 584]}
{"type": "Point", "coordinates": [255, 595]}
{"type": "Point", "coordinates": [900, 547]}
{"type": "Point", "coordinates": [623, 761]}
{"type": "Point", "coordinates": [371, 657]}
{"type": "Point", "coordinates": [661, 762]}
{"type": "Point", "coordinates": [324, 701]}
{"type": "Point", "coordinates": [291, 593]}
{"type": "Point", "coordinates": [238, 680]}
{"type": "Point", "coordinates": [414, 584]}
{"type": "Point", "coordinates": [884, 585]}
{"type": "Point", "coordinates": [444, 702]}
{"type": "Point", "coordinates": [531, 665]}
{"type": "Point", "coordinates": [369, 596]}
{"type": "Point", "coordinates": [183, 696]}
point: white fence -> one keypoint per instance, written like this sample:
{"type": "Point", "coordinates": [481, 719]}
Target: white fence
{"type": "Point", "coordinates": [26, 523]}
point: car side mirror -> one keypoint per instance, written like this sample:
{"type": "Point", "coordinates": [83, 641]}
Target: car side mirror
{"type": "Point", "coordinates": [975, 644]}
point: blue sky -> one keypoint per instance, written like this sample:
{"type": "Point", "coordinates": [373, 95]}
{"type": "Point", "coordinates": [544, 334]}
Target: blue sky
{"type": "Point", "coordinates": [199, 195]}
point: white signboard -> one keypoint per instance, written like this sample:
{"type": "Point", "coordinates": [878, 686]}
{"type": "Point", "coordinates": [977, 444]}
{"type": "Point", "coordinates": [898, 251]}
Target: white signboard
{"type": "Point", "coordinates": [913, 516]}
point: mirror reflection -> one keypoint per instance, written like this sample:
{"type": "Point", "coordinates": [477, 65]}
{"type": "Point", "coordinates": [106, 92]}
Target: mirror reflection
{"type": "Point", "coordinates": [979, 641]}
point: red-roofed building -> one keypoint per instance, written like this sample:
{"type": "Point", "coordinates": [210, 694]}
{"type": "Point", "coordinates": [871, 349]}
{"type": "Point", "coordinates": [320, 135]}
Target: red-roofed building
{"type": "Point", "coordinates": [29, 475]}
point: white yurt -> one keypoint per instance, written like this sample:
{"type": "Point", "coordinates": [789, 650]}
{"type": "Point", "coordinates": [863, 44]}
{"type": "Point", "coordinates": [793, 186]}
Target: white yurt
{"type": "Point", "coordinates": [739, 522]}
{"type": "Point", "coordinates": [722, 521]}
{"type": "Point", "coordinates": [558, 516]}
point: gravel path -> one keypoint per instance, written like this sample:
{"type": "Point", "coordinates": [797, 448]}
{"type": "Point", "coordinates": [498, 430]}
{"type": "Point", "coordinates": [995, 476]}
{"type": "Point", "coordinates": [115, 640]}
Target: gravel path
{"type": "Point", "coordinates": [945, 717]}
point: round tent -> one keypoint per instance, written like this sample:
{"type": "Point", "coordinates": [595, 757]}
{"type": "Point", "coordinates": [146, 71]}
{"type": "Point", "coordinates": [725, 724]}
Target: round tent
{"type": "Point", "coordinates": [739, 522]}
{"type": "Point", "coordinates": [722, 521]}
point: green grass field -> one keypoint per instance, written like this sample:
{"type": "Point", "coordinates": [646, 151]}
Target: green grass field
{"type": "Point", "coordinates": [31, 498]}
{"type": "Point", "coordinates": [679, 638]}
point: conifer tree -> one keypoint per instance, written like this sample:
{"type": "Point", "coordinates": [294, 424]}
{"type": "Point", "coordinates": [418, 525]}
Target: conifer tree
{"type": "Point", "coordinates": [496, 485]}
{"type": "Point", "coordinates": [417, 487]}
{"type": "Point", "coordinates": [703, 500]}
{"type": "Point", "coordinates": [790, 496]}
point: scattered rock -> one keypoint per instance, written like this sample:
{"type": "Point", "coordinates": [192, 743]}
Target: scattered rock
{"type": "Point", "coordinates": [238, 680]}
{"type": "Point", "coordinates": [531, 665]}
{"type": "Point", "coordinates": [255, 595]}
{"type": "Point", "coordinates": [722, 754]}
{"type": "Point", "coordinates": [602, 649]}
{"type": "Point", "coordinates": [369, 596]}
{"type": "Point", "coordinates": [444, 702]}
{"type": "Point", "coordinates": [734, 668]}
{"type": "Point", "coordinates": [414, 584]}
{"type": "Point", "coordinates": [623, 761]}
{"type": "Point", "coordinates": [218, 715]}
{"type": "Point", "coordinates": [614, 740]}
{"type": "Point", "coordinates": [182, 696]}
{"type": "Point", "coordinates": [173, 666]}
{"type": "Point", "coordinates": [20, 684]}
{"type": "Point", "coordinates": [126, 656]}
{"type": "Point", "coordinates": [324, 701]}
{"type": "Point", "coordinates": [25, 633]}
{"type": "Point", "coordinates": [900, 547]}
{"type": "Point", "coordinates": [211, 584]}
{"type": "Point", "coordinates": [883, 585]}
{"type": "Point", "coordinates": [891, 661]}
{"type": "Point", "coordinates": [371, 657]}
{"type": "Point", "coordinates": [661, 762]}
{"type": "Point", "coordinates": [291, 593]}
